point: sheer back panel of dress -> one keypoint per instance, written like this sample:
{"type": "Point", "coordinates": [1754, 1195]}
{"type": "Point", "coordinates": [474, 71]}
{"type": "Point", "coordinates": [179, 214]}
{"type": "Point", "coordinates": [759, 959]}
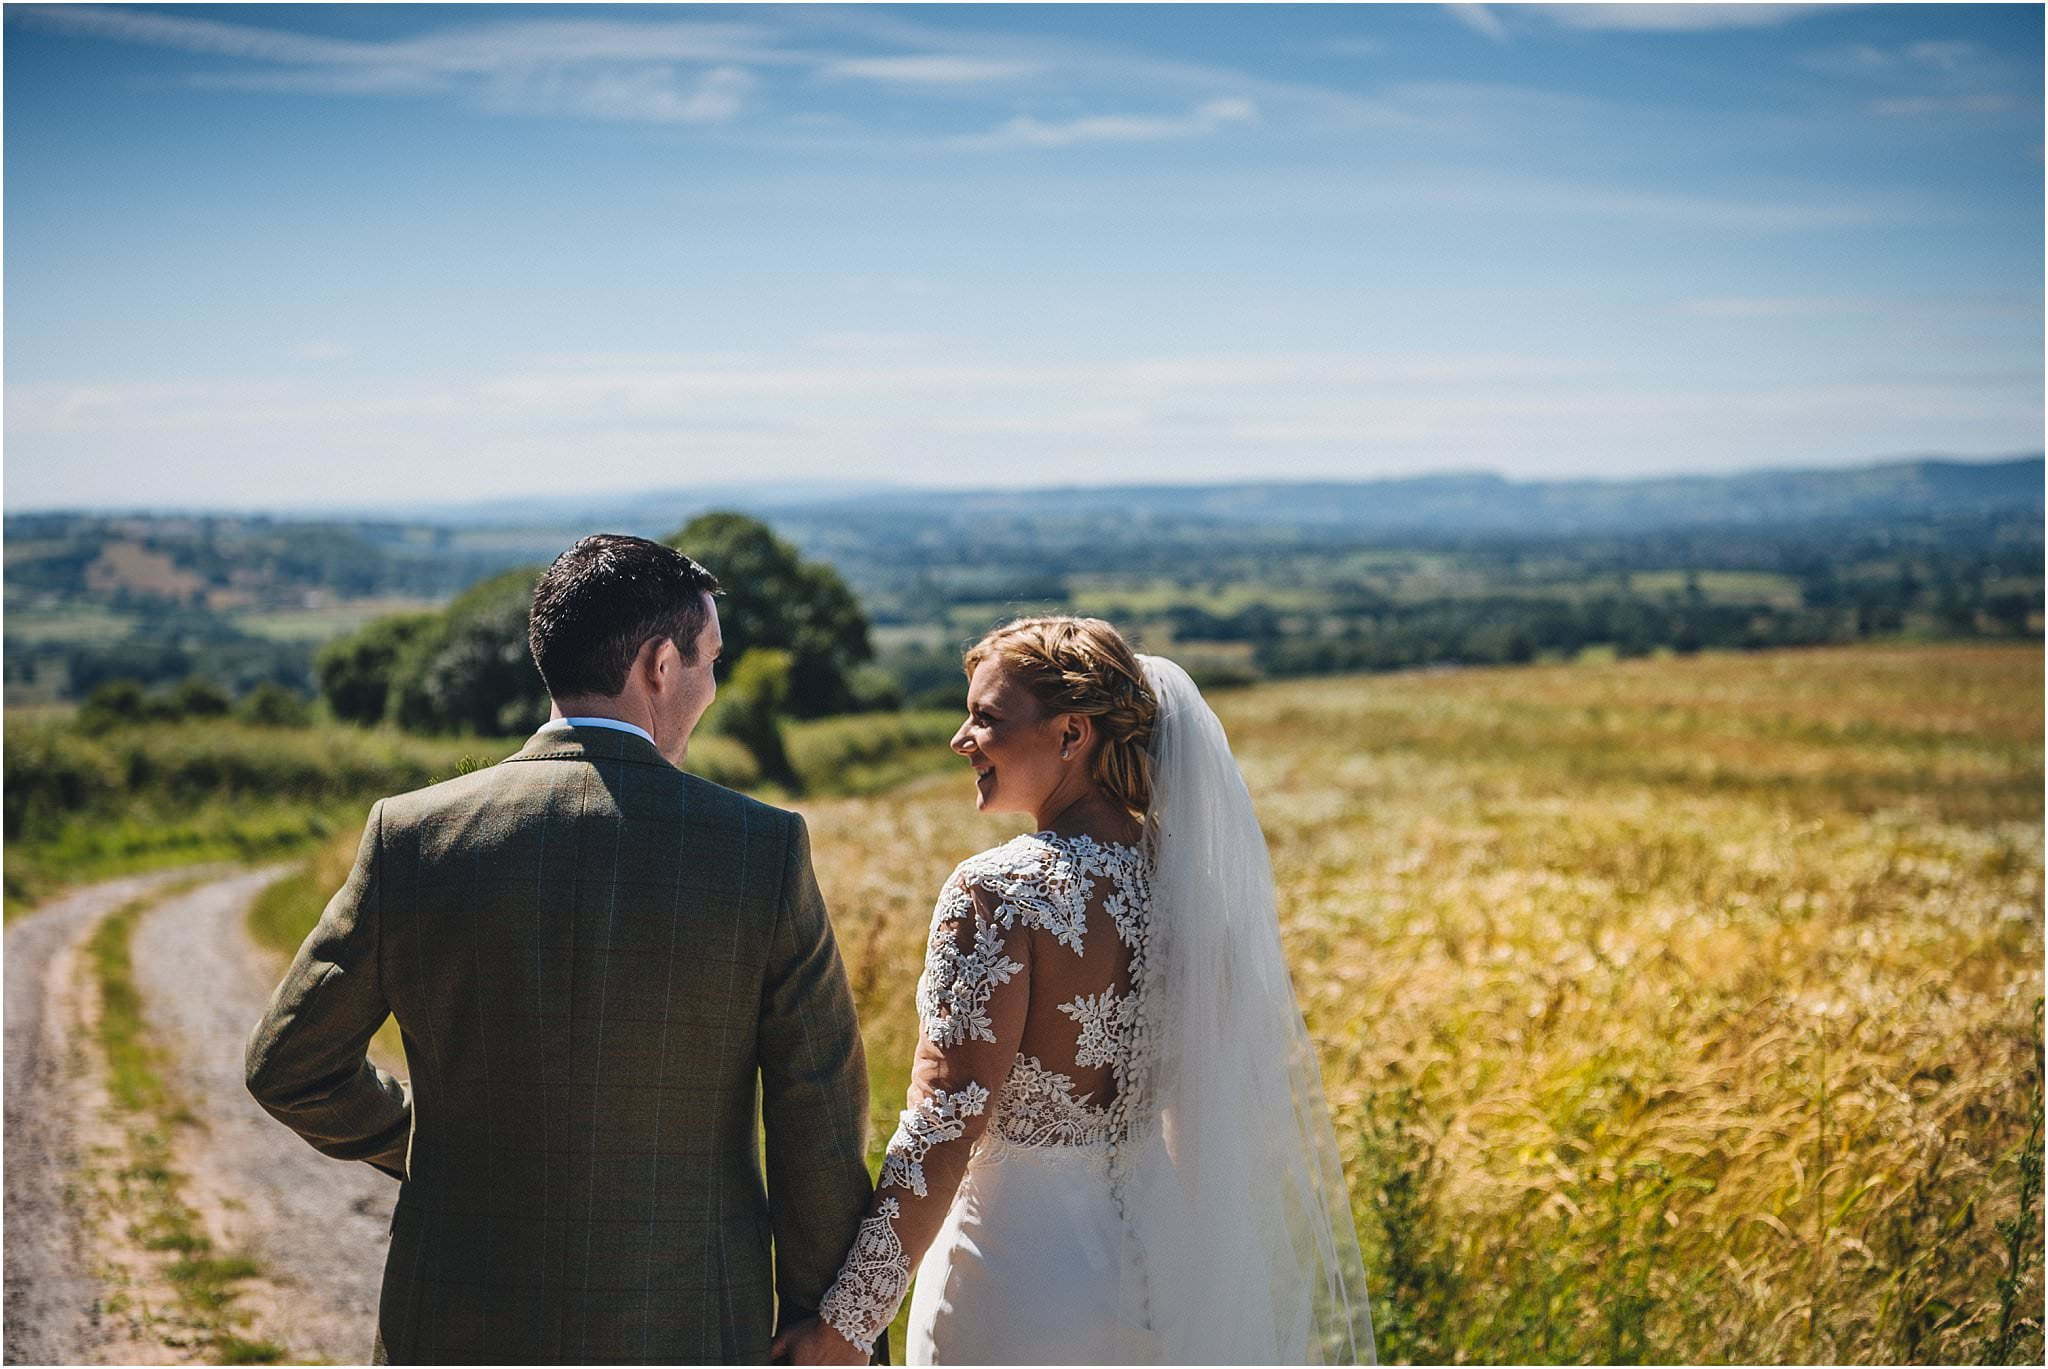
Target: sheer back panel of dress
{"type": "Point", "coordinates": [1081, 966]}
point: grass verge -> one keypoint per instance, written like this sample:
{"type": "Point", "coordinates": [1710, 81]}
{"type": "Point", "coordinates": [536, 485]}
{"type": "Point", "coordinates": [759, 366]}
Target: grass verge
{"type": "Point", "coordinates": [149, 1186]}
{"type": "Point", "coordinates": [90, 848]}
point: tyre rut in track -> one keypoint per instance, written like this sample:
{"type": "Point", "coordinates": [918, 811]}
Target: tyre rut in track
{"type": "Point", "coordinates": [55, 1301]}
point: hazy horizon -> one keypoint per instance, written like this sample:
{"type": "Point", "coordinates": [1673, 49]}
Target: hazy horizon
{"type": "Point", "coordinates": [770, 495]}
{"type": "Point", "coordinates": [264, 258]}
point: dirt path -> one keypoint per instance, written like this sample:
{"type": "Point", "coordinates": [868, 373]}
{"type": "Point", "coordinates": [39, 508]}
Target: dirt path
{"type": "Point", "coordinates": [55, 1304]}
{"type": "Point", "coordinates": [317, 1227]}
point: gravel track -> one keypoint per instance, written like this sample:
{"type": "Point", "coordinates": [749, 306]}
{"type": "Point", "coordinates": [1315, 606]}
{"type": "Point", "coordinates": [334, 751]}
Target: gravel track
{"type": "Point", "coordinates": [318, 1227]}
{"type": "Point", "coordinates": [53, 1299]}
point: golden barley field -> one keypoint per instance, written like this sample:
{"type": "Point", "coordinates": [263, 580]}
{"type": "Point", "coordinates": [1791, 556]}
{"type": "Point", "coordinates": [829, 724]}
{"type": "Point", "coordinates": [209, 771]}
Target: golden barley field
{"type": "Point", "coordinates": [1682, 1009]}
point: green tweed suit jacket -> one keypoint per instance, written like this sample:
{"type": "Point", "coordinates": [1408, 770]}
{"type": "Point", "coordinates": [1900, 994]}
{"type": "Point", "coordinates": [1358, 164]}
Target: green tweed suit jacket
{"type": "Point", "coordinates": [601, 966]}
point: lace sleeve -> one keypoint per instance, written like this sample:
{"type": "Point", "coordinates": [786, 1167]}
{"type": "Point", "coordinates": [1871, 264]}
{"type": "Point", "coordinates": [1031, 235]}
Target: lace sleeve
{"type": "Point", "coordinates": [971, 1002]}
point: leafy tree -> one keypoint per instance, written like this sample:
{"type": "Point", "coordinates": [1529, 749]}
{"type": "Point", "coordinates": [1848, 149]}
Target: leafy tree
{"type": "Point", "coordinates": [114, 703]}
{"type": "Point", "coordinates": [272, 705]}
{"type": "Point", "coordinates": [750, 708]}
{"type": "Point", "coordinates": [199, 697]}
{"type": "Point", "coordinates": [775, 599]}
{"type": "Point", "coordinates": [355, 671]}
{"type": "Point", "coordinates": [469, 670]}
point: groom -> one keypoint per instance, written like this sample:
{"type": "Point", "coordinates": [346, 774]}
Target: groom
{"type": "Point", "coordinates": [595, 960]}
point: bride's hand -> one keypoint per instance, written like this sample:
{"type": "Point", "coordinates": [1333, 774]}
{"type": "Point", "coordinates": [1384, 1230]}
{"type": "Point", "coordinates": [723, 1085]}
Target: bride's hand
{"type": "Point", "coordinates": [813, 1342]}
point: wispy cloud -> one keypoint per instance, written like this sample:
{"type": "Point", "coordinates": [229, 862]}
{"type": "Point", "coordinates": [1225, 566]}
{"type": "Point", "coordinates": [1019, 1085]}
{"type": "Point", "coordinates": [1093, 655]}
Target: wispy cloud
{"type": "Point", "coordinates": [1946, 54]}
{"type": "Point", "coordinates": [654, 94]}
{"type": "Point", "coordinates": [1026, 131]}
{"type": "Point", "coordinates": [1706, 18]}
{"type": "Point", "coordinates": [1672, 18]}
{"type": "Point", "coordinates": [1085, 71]}
{"type": "Point", "coordinates": [1480, 20]}
{"type": "Point", "coordinates": [692, 71]}
{"type": "Point", "coordinates": [1990, 102]}
{"type": "Point", "coordinates": [1953, 56]}
{"type": "Point", "coordinates": [472, 50]}
{"type": "Point", "coordinates": [208, 37]}
{"type": "Point", "coordinates": [932, 69]}
{"type": "Point", "coordinates": [671, 71]}
{"type": "Point", "coordinates": [1932, 76]}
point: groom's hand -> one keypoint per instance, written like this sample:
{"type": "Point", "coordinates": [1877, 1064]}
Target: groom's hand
{"type": "Point", "coordinates": [813, 1342]}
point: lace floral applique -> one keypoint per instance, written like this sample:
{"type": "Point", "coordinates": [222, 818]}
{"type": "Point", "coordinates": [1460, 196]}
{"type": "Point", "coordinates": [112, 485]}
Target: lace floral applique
{"type": "Point", "coordinates": [953, 993]}
{"type": "Point", "coordinates": [938, 1118]}
{"type": "Point", "coordinates": [1039, 1108]}
{"type": "Point", "coordinates": [1130, 895]}
{"type": "Point", "coordinates": [872, 1282]}
{"type": "Point", "coordinates": [1101, 1017]}
{"type": "Point", "coordinates": [1037, 885]}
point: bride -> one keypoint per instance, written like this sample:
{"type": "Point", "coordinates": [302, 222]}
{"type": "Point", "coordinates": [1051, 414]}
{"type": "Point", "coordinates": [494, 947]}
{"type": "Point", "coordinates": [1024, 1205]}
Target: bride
{"type": "Point", "coordinates": [1116, 1148]}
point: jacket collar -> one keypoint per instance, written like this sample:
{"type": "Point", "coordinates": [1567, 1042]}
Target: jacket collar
{"type": "Point", "coordinates": [589, 743]}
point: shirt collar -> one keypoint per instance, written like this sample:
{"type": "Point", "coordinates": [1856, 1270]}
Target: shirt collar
{"type": "Point", "coordinates": [563, 724]}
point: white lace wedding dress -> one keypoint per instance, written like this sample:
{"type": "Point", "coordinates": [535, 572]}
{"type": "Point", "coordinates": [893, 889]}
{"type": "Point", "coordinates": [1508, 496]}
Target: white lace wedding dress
{"type": "Point", "coordinates": [1116, 1148]}
{"type": "Point", "coordinates": [1027, 1043]}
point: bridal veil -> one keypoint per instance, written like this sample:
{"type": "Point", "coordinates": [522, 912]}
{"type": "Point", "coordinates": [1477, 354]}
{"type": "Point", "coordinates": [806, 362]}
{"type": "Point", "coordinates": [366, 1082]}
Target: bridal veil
{"type": "Point", "coordinates": [1239, 1245]}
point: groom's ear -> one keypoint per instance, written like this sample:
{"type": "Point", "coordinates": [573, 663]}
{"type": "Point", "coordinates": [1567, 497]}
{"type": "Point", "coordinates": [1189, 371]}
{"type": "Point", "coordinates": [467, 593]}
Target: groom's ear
{"type": "Point", "coordinates": [647, 662]}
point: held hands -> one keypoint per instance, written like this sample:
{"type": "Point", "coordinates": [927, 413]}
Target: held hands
{"type": "Point", "coordinates": [813, 1342]}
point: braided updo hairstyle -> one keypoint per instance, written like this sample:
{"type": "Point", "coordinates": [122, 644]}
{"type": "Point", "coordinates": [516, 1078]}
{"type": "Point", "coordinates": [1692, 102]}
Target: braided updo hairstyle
{"type": "Point", "coordinates": [1084, 665]}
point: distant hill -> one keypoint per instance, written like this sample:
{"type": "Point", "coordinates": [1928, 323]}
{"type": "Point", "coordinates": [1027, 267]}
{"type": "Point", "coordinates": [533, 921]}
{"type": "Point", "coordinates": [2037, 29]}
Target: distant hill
{"type": "Point", "coordinates": [1484, 502]}
{"type": "Point", "coordinates": [1478, 502]}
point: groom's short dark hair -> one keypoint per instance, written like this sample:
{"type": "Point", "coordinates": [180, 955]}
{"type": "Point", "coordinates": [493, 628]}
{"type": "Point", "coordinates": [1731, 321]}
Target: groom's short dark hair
{"type": "Point", "coordinates": [602, 600]}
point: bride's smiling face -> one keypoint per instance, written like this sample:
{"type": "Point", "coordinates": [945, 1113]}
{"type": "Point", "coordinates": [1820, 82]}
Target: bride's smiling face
{"type": "Point", "coordinates": [1011, 741]}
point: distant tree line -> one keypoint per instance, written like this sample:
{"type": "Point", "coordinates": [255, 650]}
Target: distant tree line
{"type": "Point", "coordinates": [1504, 629]}
{"type": "Point", "coordinates": [118, 703]}
{"type": "Point", "coordinates": [169, 644]}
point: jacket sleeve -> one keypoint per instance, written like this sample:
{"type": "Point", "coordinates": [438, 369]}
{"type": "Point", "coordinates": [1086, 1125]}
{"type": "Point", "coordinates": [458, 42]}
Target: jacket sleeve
{"type": "Point", "coordinates": [307, 1061]}
{"type": "Point", "coordinates": [971, 1004]}
{"type": "Point", "coordinates": [814, 1093]}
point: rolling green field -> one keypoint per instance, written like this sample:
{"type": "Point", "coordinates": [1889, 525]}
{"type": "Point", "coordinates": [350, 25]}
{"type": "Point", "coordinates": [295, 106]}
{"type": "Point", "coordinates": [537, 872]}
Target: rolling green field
{"type": "Point", "coordinates": [1683, 1009]}
{"type": "Point", "coordinates": [324, 624]}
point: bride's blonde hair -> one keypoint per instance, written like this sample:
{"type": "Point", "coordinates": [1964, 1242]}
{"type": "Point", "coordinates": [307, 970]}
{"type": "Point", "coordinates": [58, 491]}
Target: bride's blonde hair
{"type": "Point", "coordinates": [1084, 665]}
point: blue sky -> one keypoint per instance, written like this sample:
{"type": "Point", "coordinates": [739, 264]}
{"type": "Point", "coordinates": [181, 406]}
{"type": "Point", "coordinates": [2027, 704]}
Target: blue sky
{"type": "Point", "coordinates": [305, 255]}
